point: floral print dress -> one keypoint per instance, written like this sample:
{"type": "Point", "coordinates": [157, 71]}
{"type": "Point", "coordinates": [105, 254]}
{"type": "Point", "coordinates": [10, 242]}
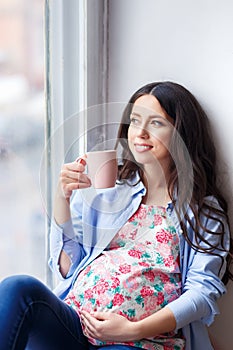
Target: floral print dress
{"type": "Point", "coordinates": [136, 275]}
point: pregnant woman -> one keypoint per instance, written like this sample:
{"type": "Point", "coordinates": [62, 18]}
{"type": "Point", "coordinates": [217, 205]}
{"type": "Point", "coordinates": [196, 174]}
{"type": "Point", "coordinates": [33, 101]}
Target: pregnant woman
{"type": "Point", "coordinates": [141, 264]}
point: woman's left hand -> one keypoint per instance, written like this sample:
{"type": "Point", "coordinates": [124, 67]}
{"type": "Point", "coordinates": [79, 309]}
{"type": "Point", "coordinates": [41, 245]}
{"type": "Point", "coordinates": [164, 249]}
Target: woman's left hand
{"type": "Point", "coordinates": [107, 326]}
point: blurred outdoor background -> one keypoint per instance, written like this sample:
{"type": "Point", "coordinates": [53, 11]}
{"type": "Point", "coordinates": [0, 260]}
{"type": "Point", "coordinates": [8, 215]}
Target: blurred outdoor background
{"type": "Point", "coordinates": [22, 119]}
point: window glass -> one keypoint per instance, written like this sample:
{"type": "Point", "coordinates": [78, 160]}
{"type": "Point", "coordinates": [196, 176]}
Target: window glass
{"type": "Point", "coordinates": [22, 216]}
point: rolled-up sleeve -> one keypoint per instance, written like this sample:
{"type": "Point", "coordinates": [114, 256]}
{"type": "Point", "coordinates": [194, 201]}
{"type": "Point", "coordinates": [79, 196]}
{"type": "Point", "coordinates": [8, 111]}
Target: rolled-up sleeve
{"type": "Point", "coordinates": [202, 289]}
{"type": "Point", "coordinates": [203, 285]}
{"type": "Point", "coordinates": [62, 238]}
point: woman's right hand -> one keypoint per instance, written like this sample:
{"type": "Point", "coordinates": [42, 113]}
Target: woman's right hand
{"type": "Point", "coordinates": [72, 177]}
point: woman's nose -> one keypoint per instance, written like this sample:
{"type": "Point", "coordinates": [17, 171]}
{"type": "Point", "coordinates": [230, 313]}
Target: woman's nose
{"type": "Point", "coordinates": [142, 132]}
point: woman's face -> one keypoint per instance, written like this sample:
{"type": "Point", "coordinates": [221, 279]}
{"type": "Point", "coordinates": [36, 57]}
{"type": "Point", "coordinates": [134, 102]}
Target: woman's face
{"type": "Point", "coordinates": [150, 131]}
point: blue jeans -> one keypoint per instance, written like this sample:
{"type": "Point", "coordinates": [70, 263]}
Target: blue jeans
{"type": "Point", "coordinates": [33, 318]}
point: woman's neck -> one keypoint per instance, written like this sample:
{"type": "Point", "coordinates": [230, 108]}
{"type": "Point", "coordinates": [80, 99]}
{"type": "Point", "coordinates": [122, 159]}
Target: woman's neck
{"type": "Point", "coordinates": [155, 182]}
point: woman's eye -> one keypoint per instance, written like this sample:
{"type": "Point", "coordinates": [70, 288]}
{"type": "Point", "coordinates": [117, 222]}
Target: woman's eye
{"type": "Point", "coordinates": [134, 121]}
{"type": "Point", "coordinates": [156, 123]}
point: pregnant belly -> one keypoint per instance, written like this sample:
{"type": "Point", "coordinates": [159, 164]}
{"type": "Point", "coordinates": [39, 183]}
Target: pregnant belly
{"type": "Point", "coordinates": [132, 290]}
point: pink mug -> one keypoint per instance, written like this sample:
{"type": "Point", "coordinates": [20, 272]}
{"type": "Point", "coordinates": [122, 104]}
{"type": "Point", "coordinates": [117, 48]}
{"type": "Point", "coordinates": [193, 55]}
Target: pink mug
{"type": "Point", "coordinates": [102, 168]}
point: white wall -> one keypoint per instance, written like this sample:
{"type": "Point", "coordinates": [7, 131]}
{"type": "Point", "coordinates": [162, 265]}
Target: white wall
{"type": "Point", "coordinates": [189, 42]}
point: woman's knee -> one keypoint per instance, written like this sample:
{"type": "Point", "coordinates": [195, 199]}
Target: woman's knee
{"type": "Point", "coordinates": [20, 285]}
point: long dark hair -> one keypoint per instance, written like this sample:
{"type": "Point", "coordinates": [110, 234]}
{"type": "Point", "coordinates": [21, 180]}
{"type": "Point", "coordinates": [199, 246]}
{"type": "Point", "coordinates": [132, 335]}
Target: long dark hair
{"type": "Point", "coordinates": [193, 175]}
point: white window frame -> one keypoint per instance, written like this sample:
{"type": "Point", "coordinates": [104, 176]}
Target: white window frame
{"type": "Point", "coordinates": [76, 77]}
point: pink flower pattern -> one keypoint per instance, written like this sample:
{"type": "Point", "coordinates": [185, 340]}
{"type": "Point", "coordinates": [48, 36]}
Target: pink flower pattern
{"type": "Point", "coordinates": [163, 236]}
{"type": "Point", "coordinates": [136, 275]}
{"type": "Point", "coordinates": [125, 268]}
{"type": "Point", "coordinates": [146, 291]}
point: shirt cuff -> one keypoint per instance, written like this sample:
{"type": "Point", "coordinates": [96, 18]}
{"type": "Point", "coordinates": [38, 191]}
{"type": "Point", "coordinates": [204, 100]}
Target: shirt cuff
{"type": "Point", "coordinates": [190, 307]}
{"type": "Point", "coordinates": [56, 244]}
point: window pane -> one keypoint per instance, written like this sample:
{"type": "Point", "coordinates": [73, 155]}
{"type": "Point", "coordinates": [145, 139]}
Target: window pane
{"type": "Point", "coordinates": [22, 231]}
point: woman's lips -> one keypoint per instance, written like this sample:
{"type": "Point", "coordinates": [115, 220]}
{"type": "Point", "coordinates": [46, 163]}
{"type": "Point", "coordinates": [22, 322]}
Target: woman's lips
{"type": "Point", "coordinates": [142, 147]}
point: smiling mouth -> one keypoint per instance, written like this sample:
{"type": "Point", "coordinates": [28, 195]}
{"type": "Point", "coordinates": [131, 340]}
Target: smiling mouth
{"type": "Point", "coordinates": [142, 148]}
